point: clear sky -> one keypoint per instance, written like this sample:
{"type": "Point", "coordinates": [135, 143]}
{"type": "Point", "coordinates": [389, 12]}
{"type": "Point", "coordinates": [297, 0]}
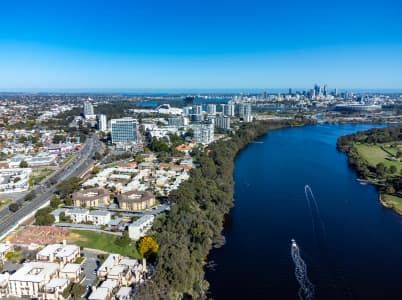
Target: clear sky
{"type": "Point", "coordinates": [169, 44]}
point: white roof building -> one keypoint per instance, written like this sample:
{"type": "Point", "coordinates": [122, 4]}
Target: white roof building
{"type": "Point", "coordinates": [139, 228]}
{"type": "Point", "coordinates": [100, 293]}
{"type": "Point", "coordinates": [31, 278]}
{"type": "Point", "coordinates": [124, 293]}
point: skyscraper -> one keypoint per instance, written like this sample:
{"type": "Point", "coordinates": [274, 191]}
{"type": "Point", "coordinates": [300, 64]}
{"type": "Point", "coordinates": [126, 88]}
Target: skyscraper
{"type": "Point", "coordinates": [203, 132]}
{"type": "Point", "coordinates": [124, 130]}
{"type": "Point", "coordinates": [88, 110]}
{"type": "Point", "coordinates": [228, 109]}
{"type": "Point", "coordinates": [211, 109]}
{"type": "Point", "coordinates": [102, 122]}
{"type": "Point", "coordinates": [222, 122]}
{"type": "Point", "coordinates": [245, 112]}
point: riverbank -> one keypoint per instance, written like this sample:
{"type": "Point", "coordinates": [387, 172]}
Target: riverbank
{"type": "Point", "coordinates": [376, 156]}
{"type": "Point", "coordinates": [271, 209]}
{"type": "Point", "coordinates": [195, 223]}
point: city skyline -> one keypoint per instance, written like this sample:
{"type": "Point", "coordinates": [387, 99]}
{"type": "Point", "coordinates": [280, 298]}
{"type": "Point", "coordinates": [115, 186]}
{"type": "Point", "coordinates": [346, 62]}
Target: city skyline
{"type": "Point", "coordinates": [76, 46]}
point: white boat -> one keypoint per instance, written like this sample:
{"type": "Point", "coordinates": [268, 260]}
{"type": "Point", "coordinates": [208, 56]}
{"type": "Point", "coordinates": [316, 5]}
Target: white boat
{"type": "Point", "coordinates": [294, 244]}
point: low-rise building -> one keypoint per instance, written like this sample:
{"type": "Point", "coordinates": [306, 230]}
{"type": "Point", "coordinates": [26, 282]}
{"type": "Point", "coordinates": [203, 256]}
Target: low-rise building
{"type": "Point", "coordinates": [53, 289]}
{"type": "Point", "coordinates": [4, 248]}
{"type": "Point", "coordinates": [14, 180]}
{"type": "Point", "coordinates": [83, 215]}
{"type": "Point", "coordinates": [61, 253]}
{"type": "Point", "coordinates": [136, 200]}
{"type": "Point", "coordinates": [4, 285]}
{"type": "Point", "coordinates": [72, 272]}
{"type": "Point", "coordinates": [100, 293]}
{"type": "Point", "coordinates": [92, 197]}
{"type": "Point", "coordinates": [77, 215]}
{"type": "Point", "coordinates": [99, 217]}
{"type": "Point", "coordinates": [124, 293]}
{"type": "Point", "coordinates": [139, 228]}
{"type": "Point", "coordinates": [30, 280]}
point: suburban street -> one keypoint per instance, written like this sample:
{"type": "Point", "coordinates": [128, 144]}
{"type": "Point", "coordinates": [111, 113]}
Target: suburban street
{"type": "Point", "coordinates": [76, 167]}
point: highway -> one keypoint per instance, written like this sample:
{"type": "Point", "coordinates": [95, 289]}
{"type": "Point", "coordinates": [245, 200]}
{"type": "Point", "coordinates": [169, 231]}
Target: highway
{"type": "Point", "coordinates": [79, 165]}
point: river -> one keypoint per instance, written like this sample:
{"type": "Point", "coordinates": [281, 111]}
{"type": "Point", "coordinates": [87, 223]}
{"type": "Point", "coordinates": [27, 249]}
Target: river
{"type": "Point", "coordinates": [354, 253]}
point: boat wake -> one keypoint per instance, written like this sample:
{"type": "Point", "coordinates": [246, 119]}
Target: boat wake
{"type": "Point", "coordinates": [306, 290]}
{"type": "Point", "coordinates": [318, 223]}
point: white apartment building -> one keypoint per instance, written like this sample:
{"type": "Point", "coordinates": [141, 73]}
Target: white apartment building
{"type": "Point", "coordinates": [77, 215]}
{"type": "Point", "coordinates": [89, 112]}
{"type": "Point", "coordinates": [14, 180]}
{"type": "Point", "coordinates": [203, 133]}
{"type": "Point", "coordinates": [71, 272]}
{"type": "Point", "coordinates": [99, 217]}
{"type": "Point", "coordinates": [81, 215]}
{"type": "Point", "coordinates": [222, 122]}
{"type": "Point", "coordinates": [139, 228]}
{"type": "Point", "coordinates": [101, 122]}
{"type": "Point", "coordinates": [245, 112]}
{"type": "Point", "coordinates": [29, 280]}
{"type": "Point", "coordinates": [61, 253]}
{"type": "Point", "coordinates": [211, 109]}
{"type": "Point", "coordinates": [228, 109]}
{"type": "Point", "coordinates": [53, 290]}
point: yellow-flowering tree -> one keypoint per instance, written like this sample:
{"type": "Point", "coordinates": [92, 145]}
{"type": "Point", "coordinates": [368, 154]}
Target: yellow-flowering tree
{"type": "Point", "coordinates": [148, 246]}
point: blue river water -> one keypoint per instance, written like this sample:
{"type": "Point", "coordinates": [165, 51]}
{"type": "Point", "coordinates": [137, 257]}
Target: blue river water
{"type": "Point", "coordinates": [351, 245]}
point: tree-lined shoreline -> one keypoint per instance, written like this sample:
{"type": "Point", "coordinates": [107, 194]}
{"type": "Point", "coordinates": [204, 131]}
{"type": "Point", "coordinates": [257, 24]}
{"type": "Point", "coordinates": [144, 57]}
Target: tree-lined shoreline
{"type": "Point", "coordinates": [376, 155]}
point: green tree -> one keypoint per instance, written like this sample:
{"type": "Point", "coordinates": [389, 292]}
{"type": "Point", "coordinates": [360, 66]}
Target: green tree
{"type": "Point", "coordinates": [44, 220]}
{"type": "Point", "coordinates": [380, 169]}
{"type": "Point", "coordinates": [68, 186]}
{"type": "Point", "coordinates": [97, 156]}
{"type": "Point", "coordinates": [139, 159]}
{"type": "Point", "coordinates": [13, 207]}
{"type": "Point", "coordinates": [23, 164]}
{"type": "Point", "coordinates": [95, 170]}
{"type": "Point", "coordinates": [393, 169]}
{"type": "Point", "coordinates": [390, 189]}
{"type": "Point", "coordinates": [55, 202]}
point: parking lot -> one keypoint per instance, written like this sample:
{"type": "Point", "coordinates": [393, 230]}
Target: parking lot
{"type": "Point", "coordinates": [89, 266]}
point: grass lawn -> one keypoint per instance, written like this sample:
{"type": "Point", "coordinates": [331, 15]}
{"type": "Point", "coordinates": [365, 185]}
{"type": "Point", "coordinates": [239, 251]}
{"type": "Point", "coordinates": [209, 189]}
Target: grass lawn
{"type": "Point", "coordinates": [394, 201]}
{"type": "Point", "coordinates": [39, 176]}
{"type": "Point", "coordinates": [102, 241]}
{"type": "Point", "coordinates": [373, 154]}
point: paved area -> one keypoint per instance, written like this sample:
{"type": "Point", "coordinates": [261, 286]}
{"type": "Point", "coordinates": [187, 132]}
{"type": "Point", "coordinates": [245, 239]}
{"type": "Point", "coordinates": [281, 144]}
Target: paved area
{"type": "Point", "coordinates": [90, 265]}
{"type": "Point", "coordinates": [76, 167]}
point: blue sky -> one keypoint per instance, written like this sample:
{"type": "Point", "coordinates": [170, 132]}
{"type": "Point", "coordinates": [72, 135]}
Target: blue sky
{"type": "Point", "coordinates": [199, 44]}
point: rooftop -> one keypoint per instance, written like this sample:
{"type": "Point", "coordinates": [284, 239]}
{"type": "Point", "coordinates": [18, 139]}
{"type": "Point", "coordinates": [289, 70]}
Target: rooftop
{"type": "Point", "coordinates": [57, 282]}
{"type": "Point", "coordinates": [71, 268]}
{"type": "Point", "coordinates": [124, 291]}
{"type": "Point", "coordinates": [99, 294]}
{"type": "Point", "coordinates": [35, 271]}
{"type": "Point", "coordinates": [90, 194]}
{"type": "Point", "coordinates": [110, 284]}
{"type": "Point", "coordinates": [135, 196]}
